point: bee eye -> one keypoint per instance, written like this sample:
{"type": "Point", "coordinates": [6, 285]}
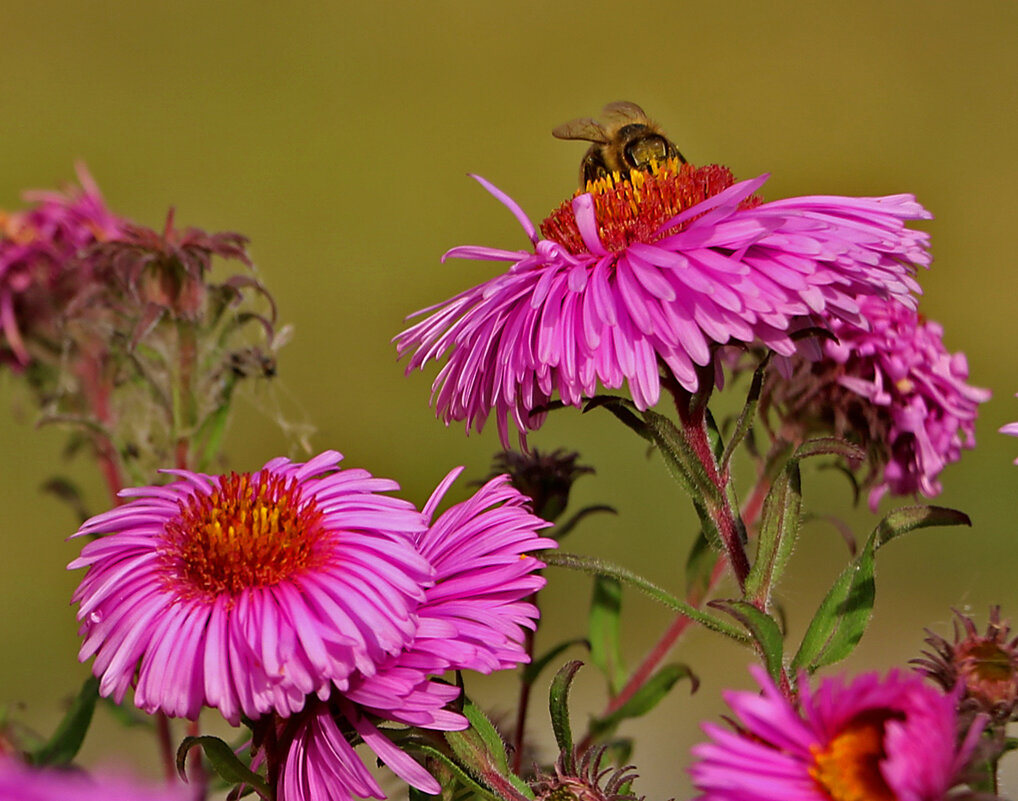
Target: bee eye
{"type": "Point", "coordinates": [640, 152]}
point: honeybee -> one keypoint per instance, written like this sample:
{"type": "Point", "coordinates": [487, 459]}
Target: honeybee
{"type": "Point", "coordinates": [623, 140]}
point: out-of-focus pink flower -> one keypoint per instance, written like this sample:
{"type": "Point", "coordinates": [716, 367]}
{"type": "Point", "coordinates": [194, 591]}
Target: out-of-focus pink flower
{"type": "Point", "coordinates": [301, 593]}
{"type": "Point", "coordinates": [892, 387]}
{"type": "Point", "coordinates": [1011, 429]}
{"type": "Point", "coordinates": [653, 272]}
{"type": "Point", "coordinates": [21, 783]}
{"type": "Point", "coordinates": [41, 259]}
{"type": "Point", "coordinates": [887, 739]}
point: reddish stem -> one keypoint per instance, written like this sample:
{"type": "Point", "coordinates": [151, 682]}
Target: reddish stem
{"type": "Point", "coordinates": [524, 701]}
{"type": "Point", "coordinates": [166, 752]}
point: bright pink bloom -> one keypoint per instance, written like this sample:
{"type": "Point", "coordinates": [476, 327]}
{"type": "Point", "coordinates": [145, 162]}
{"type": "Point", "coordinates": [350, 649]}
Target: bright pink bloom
{"type": "Point", "coordinates": [21, 783]}
{"type": "Point", "coordinates": [249, 592]}
{"type": "Point", "coordinates": [887, 739]}
{"type": "Point", "coordinates": [299, 590]}
{"type": "Point", "coordinates": [40, 258]}
{"type": "Point", "coordinates": [472, 619]}
{"type": "Point", "coordinates": [657, 269]}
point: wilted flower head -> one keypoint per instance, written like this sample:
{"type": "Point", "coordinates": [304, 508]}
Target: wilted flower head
{"type": "Point", "coordinates": [43, 262]}
{"type": "Point", "coordinates": [580, 777]}
{"type": "Point", "coordinates": [887, 739]}
{"type": "Point", "coordinates": [545, 478]}
{"type": "Point", "coordinates": [652, 271]}
{"type": "Point", "coordinates": [301, 596]}
{"type": "Point", "coordinates": [893, 388]}
{"type": "Point", "coordinates": [986, 665]}
{"type": "Point", "coordinates": [167, 270]}
{"type": "Point", "coordinates": [21, 783]}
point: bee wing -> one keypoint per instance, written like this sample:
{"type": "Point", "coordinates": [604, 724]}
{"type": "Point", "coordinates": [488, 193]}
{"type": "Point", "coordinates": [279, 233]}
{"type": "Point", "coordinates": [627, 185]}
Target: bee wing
{"type": "Point", "coordinates": [581, 128]}
{"type": "Point", "coordinates": [621, 112]}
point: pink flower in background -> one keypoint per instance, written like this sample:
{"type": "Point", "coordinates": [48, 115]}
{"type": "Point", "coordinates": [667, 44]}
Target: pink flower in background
{"type": "Point", "coordinates": [892, 387]}
{"type": "Point", "coordinates": [41, 264]}
{"type": "Point", "coordinates": [301, 591]}
{"type": "Point", "coordinates": [1012, 429]}
{"type": "Point", "coordinates": [21, 783]}
{"type": "Point", "coordinates": [657, 269]}
{"type": "Point", "coordinates": [886, 739]}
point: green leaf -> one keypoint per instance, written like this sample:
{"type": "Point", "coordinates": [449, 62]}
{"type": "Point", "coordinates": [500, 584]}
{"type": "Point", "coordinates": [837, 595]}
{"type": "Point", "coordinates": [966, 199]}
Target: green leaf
{"type": "Point", "coordinates": [680, 458]}
{"type": "Point", "coordinates": [747, 415]}
{"type": "Point", "coordinates": [779, 527]}
{"type": "Point", "coordinates": [844, 613]}
{"type": "Point", "coordinates": [63, 746]}
{"type": "Point", "coordinates": [599, 567]}
{"type": "Point", "coordinates": [558, 706]}
{"type": "Point", "coordinates": [645, 699]}
{"type": "Point", "coordinates": [841, 619]}
{"type": "Point", "coordinates": [457, 770]}
{"type": "Point", "coordinates": [763, 630]}
{"type": "Point", "coordinates": [224, 762]}
{"type": "Point", "coordinates": [782, 516]}
{"type": "Point", "coordinates": [493, 743]}
{"type": "Point", "coordinates": [532, 670]}
{"type": "Point", "coordinates": [603, 630]}
{"type": "Point", "coordinates": [909, 518]}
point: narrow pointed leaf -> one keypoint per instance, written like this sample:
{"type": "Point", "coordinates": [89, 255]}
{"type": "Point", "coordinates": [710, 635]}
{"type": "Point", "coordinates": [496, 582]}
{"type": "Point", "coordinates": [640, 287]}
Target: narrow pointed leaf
{"type": "Point", "coordinates": [747, 415]}
{"type": "Point", "coordinates": [558, 706]}
{"type": "Point", "coordinates": [646, 698]}
{"type": "Point", "coordinates": [63, 746]}
{"type": "Point", "coordinates": [457, 770]}
{"type": "Point", "coordinates": [603, 630]}
{"type": "Point", "coordinates": [492, 740]}
{"type": "Point", "coordinates": [224, 762]}
{"type": "Point", "coordinates": [779, 527]}
{"type": "Point", "coordinates": [841, 619]}
{"type": "Point", "coordinates": [599, 567]}
{"type": "Point", "coordinates": [623, 409]}
{"type": "Point", "coordinates": [763, 630]}
{"type": "Point", "coordinates": [909, 518]}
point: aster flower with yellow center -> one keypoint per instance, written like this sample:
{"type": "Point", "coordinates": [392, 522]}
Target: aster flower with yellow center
{"type": "Point", "coordinates": [864, 739]}
{"type": "Point", "coordinates": [650, 272]}
{"type": "Point", "coordinates": [303, 599]}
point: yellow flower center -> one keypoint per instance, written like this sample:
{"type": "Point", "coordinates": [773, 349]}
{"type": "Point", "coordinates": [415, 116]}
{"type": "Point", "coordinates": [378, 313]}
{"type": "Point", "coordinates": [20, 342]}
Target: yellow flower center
{"type": "Point", "coordinates": [848, 769]}
{"type": "Point", "coordinates": [633, 208]}
{"type": "Point", "coordinates": [248, 532]}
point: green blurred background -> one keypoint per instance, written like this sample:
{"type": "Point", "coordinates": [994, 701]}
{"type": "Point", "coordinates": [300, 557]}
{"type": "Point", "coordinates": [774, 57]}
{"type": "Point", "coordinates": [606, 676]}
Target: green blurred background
{"type": "Point", "coordinates": [337, 137]}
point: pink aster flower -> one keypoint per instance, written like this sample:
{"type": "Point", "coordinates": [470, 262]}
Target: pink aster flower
{"type": "Point", "coordinates": [472, 618]}
{"type": "Point", "coordinates": [892, 387]}
{"type": "Point", "coordinates": [21, 783]}
{"type": "Point", "coordinates": [892, 739]}
{"type": "Point", "coordinates": [303, 599]}
{"type": "Point", "coordinates": [40, 264]}
{"type": "Point", "coordinates": [249, 592]}
{"type": "Point", "coordinates": [652, 272]}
